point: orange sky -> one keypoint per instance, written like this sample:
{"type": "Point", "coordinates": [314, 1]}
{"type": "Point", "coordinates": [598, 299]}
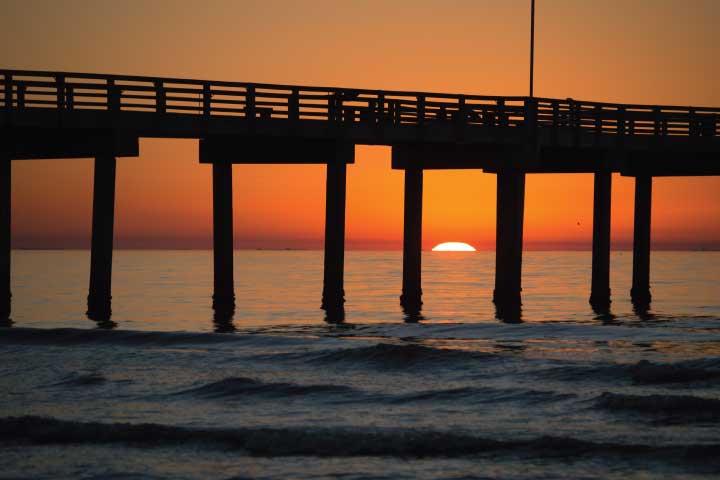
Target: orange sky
{"type": "Point", "coordinates": [654, 51]}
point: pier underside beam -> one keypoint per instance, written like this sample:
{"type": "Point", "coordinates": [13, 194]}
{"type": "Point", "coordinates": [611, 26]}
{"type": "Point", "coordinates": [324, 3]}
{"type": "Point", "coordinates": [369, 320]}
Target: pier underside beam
{"type": "Point", "coordinates": [333, 294]}
{"type": "Point", "coordinates": [640, 291]}
{"type": "Point", "coordinates": [509, 237]}
{"type": "Point", "coordinates": [103, 215]}
{"type": "Point", "coordinates": [5, 197]}
{"type": "Point", "coordinates": [44, 143]}
{"type": "Point", "coordinates": [411, 298]}
{"type": "Point", "coordinates": [600, 288]}
{"type": "Point", "coordinates": [223, 283]}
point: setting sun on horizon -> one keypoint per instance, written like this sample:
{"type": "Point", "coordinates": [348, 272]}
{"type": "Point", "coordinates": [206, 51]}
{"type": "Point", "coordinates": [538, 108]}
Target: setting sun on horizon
{"type": "Point", "coordinates": [453, 247]}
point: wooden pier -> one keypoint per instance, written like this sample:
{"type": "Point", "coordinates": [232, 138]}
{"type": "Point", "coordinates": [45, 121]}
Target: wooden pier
{"type": "Point", "coordinates": [75, 115]}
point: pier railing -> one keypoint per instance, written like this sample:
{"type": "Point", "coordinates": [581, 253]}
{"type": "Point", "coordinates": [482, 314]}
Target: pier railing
{"type": "Point", "coordinates": [63, 92]}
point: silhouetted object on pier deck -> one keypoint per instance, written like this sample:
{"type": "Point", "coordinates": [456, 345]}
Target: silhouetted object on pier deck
{"type": "Point", "coordinates": [56, 115]}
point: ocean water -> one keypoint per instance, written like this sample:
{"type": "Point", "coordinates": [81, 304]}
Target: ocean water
{"type": "Point", "coordinates": [562, 393]}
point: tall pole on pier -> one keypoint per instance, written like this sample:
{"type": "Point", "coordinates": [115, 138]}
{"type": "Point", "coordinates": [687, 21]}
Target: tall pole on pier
{"type": "Point", "coordinates": [532, 44]}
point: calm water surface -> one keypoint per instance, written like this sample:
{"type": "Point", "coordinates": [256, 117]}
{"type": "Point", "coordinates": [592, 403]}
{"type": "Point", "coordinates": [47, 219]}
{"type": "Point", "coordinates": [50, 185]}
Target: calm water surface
{"type": "Point", "coordinates": [567, 393]}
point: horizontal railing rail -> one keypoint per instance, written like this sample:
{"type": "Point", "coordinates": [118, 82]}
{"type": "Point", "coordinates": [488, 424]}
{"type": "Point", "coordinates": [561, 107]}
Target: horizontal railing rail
{"type": "Point", "coordinates": [64, 91]}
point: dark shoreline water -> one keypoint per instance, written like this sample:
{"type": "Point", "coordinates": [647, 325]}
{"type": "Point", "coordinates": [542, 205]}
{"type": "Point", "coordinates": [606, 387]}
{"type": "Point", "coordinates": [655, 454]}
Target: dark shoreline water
{"type": "Point", "coordinates": [565, 394]}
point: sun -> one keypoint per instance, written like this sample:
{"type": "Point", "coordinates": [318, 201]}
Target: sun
{"type": "Point", "coordinates": [453, 247]}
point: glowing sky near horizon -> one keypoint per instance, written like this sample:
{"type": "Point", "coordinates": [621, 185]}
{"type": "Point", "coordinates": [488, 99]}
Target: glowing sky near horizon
{"type": "Point", "coordinates": [645, 51]}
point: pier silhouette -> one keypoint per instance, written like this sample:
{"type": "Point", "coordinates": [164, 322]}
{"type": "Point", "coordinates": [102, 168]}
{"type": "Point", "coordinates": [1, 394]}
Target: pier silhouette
{"type": "Point", "coordinates": [57, 115]}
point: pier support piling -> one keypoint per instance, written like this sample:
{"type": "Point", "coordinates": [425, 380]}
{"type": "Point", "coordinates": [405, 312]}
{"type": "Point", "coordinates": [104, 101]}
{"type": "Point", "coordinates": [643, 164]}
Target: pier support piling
{"type": "Point", "coordinates": [103, 216]}
{"type": "Point", "coordinates": [640, 291]}
{"type": "Point", "coordinates": [333, 295]}
{"type": "Point", "coordinates": [411, 298]}
{"type": "Point", "coordinates": [223, 283]}
{"type": "Point", "coordinates": [5, 199]}
{"type": "Point", "coordinates": [509, 237]}
{"type": "Point", "coordinates": [600, 286]}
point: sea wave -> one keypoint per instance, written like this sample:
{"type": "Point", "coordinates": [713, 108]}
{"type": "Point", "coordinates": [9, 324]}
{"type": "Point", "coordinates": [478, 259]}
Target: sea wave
{"type": "Point", "coordinates": [645, 372]}
{"type": "Point", "coordinates": [137, 338]}
{"type": "Point", "coordinates": [703, 372]}
{"type": "Point", "coordinates": [686, 407]}
{"type": "Point", "coordinates": [483, 395]}
{"type": "Point", "coordinates": [238, 387]}
{"type": "Point", "coordinates": [242, 386]}
{"type": "Point", "coordinates": [391, 355]}
{"type": "Point", "coordinates": [81, 380]}
{"type": "Point", "coordinates": [331, 442]}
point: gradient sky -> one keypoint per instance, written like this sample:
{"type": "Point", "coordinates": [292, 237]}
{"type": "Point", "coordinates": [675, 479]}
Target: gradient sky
{"type": "Point", "coordinates": [639, 51]}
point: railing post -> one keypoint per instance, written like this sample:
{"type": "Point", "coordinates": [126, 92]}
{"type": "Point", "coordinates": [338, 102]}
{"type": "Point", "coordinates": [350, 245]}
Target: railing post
{"type": "Point", "coordinates": [21, 96]}
{"type": "Point", "coordinates": [575, 114]}
{"type": "Point", "coordinates": [381, 107]}
{"type": "Point", "coordinates": [621, 121]}
{"type": "Point", "coordinates": [69, 97]}
{"type": "Point", "coordinates": [555, 113]}
{"type": "Point", "coordinates": [598, 119]}
{"type": "Point", "coordinates": [294, 105]}
{"type": "Point", "coordinates": [8, 91]}
{"type": "Point", "coordinates": [250, 103]}
{"type": "Point", "coordinates": [113, 96]}
{"type": "Point", "coordinates": [160, 102]}
{"type": "Point", "coordinates": [420, 110]}
{"type": "Point", "coordinates": [657, 121]}
{"type": "Point", "coordinates": [207, 100]}
{"type": "Point", "coordinates": [60, 95]}
{"type": "Point", "coordinates": [531, 109]}
{"type": "Point", "coordinates": [501, 113]}
{"type": "Point", "coordinates": [693, 129]}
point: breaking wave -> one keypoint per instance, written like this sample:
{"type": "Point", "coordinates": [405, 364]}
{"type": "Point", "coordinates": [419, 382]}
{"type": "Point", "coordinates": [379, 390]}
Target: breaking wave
{"type": "Point", "coordinates": [706, 371]}
{"type": "Point", "coordinates": [686, 406]}
{"type": "Point", "coordinates": [241, 386]}
{"type": "Point", "coordinates": [390, 355]}
{"type": "Point", "coordinates": [329, 442]}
